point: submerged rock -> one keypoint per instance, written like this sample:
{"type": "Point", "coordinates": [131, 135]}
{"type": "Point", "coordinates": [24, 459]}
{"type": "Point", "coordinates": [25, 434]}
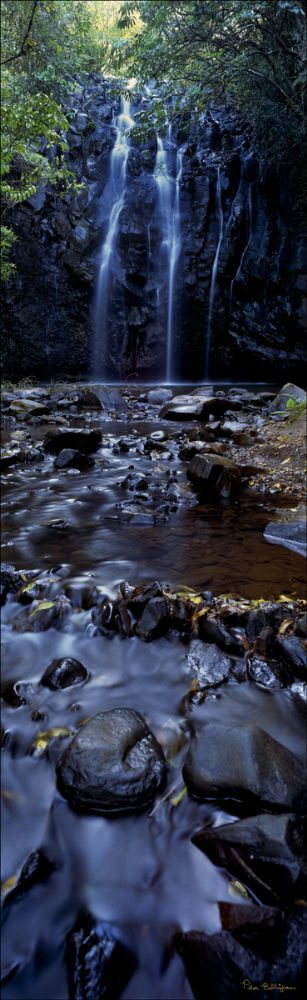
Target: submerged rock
{"type": "Point", "coordinates": [64, 673]}
{"type": "Point", "coordinates": [35, 870]}
{"type": "Point", "coordinates": [69, 458]}
{"type": "Point", "coordinates": [99, 966]}
{"type": "Point", "coordinates": [114, 764]}
{"type": "Point", "coordinates": [242, 762]}
{"type": "Point", "coordinates": [214, 475]}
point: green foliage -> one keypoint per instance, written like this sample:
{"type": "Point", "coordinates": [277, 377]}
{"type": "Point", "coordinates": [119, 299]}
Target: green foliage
{"type": "Point", "coordinates": [253, 52]}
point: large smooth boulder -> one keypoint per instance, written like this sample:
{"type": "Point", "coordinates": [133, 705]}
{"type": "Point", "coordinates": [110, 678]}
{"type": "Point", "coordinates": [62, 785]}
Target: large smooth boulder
{"type": "Point", "coordinates": [213, 475]}
{"type": "Point", "coordinates": [242, 762]}
{"type": "Point", "coordinates": [265, 852]}
{"type": "Point", "coordinates": [114, 764]}
{"type": "Point", "coordinates": [78, 439]}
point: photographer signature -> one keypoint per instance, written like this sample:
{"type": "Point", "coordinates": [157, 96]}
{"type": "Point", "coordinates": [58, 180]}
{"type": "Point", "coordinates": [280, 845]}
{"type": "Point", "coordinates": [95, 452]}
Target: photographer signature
{"type": "Point", "coordinates": [280, 987]}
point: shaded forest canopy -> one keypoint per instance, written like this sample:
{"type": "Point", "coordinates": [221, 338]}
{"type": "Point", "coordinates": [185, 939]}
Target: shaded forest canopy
{"type": "Point", "coordinates": [196, 52]}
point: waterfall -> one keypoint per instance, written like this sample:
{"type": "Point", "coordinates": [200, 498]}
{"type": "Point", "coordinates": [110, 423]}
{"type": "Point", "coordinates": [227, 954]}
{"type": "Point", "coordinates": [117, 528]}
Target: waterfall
{"type": "Point", "coordinates": [169, 198]}
{"type": "Point", "coordinates": [116, 192]}
{"type": "Point", "coordinates": [244, 252]}
{"type": "Point", "coordinates": [214, 269]}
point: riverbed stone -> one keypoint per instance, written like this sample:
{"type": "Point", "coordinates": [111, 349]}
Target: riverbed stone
{"type": "Point", "coordinates": [261, 673]}
{"type": "Point", "coordinates": [242, 762]}
{"type": "Point", "coordinates": [214, 475]}
{"type": "Point", "coordinates": [114, 764]}
{"type": "Point", "coordinates": [70, 458]}
{"type": "Point", "coordinates": [208, 663]}
{"type": "Point", "coordinates": [213, 631]}
{"type": "Point", "coordinates": [154, 620]}
{"type": "Point", "coordinates": [292, 651]}
{"type": "Point", "coordinates": [99, 966]}
{"type": "Point", "coordinates": [267, 853]}
{"type": "Point", "coordinates": [84, 440]}
{"type": "Point", "coordinates": [159, 395]}
{"type": "Point", "coordinates": [224, 965]}
{"type": "Point", "coordinates": [63, 673]}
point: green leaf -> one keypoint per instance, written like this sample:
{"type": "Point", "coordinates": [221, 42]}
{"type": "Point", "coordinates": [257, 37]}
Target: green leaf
{"type": "Point", "coordinates": [42, 606]}
{"type": "Point", "coordinates": [178, 798]}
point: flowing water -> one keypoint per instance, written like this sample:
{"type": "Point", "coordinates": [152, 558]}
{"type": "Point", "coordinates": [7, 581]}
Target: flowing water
{"type": "Point", "coordinates": [212, 292]}
{"type": "Point", "coordinates": [169, 201]}
{"type": "Point", "coordinates": [116, 196]}
{"type": "Point", "coordinates": [141, 875]}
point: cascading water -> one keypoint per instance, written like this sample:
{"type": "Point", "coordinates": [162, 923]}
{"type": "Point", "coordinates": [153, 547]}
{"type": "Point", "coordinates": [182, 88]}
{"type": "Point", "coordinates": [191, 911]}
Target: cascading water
{"type": "Point", "coordinates": [116, 194]}
{"type": "Point", "coordinates": [169, 198]}
{"type": "Point", "coordinates": [243, 255]}
{"type": "Point", "coordinates": [214, 269]}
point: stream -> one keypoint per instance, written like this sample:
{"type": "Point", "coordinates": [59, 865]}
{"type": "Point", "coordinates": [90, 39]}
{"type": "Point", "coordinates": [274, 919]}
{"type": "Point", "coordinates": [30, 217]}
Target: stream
{"type": "Point", "coordinates": [140, 875]}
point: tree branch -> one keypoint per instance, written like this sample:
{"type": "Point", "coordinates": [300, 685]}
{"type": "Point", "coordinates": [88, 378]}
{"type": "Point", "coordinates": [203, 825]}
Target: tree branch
{"type": "Point", "coordinates": [22, 49]}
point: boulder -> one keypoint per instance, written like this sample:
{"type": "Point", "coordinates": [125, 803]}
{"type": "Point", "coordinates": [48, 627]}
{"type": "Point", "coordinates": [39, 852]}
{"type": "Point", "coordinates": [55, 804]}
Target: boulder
{"type": "Point", "coordinates": [88, 400]}
{"type": "Point", "coordinates": [24, 406]}
{"type": "Point", "coordinates": [99, 966]}
{"type": "Point", "coordinates": [212, 631]}
{"type": "Point", "coordinates": [214, 475]}
{"type": "Point", "coordinates": [83, 440]}
{"type": "Point", "coordinates": [196, 407]}
{"type": "Point", "coordinates": [283, 401]}
{"type": "Point", "coordinates": [69, 458]}
{"type": "Point", "coordinates": [242, 762]}
{"type": "Point", "coordinates": [208, 663]}
{"type": "Point", "coordinates": [114, 764]}
{"type": "Point", "coordinates": [266, 852]}
{"type": "Point", "coordinates": [63, 673]}
{"type": "Point", "coordinates": [159, 395]}
{"type": "Point", "coordinates": [225, 965]}
{"type": "Point", "coordinates": [293, 653]}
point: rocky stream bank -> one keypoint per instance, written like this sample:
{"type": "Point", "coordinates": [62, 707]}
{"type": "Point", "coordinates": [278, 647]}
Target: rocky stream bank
{"type": "Point", "coordinates": [154, 684]}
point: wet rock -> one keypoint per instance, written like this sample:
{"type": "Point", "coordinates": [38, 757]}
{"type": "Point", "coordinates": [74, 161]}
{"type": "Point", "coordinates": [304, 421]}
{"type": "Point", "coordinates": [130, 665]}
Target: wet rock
{"type": "Point", "coordinates": [154, 620]}
{"type": "Point", "coordinates": [68, 458]}
{"type": "Point", "coordinates": [20, 693]}
{"type": "Point", "coordinates": [293, 653]}
{"type": "Point", "coordinates": [24, 406]}
{"type": "Point", "coordinates": [256, 622]}
{"type": "Point", "coordinates": [88, 400]}
{"type": "Point", "coordinates": [99, 966]}
{"type": "Point", "coordinates": [261, 673]}
{"type": "Point", "coordinates": [243, 763]}
{"type": "Point", "coordinates": [266, 852]}
{"type": "Point", "coordinates": [36, 870]}
{"type": "Point", "coordinates": [143, 593]}
{"type": "Point", "coordinates": [220, 965]}
{"type": "Point", "coordinates": [212, 475]}
{"type": "Point", "coordinates": [135, 482]}
{"type": "Point", "coordinates": [265, 642]}
{"type": "Point", "coordinates": [41, 617]}
{"type": "Point", "coordinates": [114, 764]}
{"type": "Point", "coordinates": [208, 664]}
{"type": "Point", "coordinates": [64, 673]}
{"type": "Point", "coordinates": [159, 395]}
{"type": "Point", "coordinates": [12, 580]}
{"type": "Point", "coordinates": [213, 631]}
{"type": "Point", "coordinates": [280, 405]}
{"type": "Point", "coordinates": [301, 626]}
{"type": "Point", "coordinates": [83, 440]}
{"type": "Point", "coordinates": [290, 534]}
{"type": "Point", "coordinates": [196, 407]}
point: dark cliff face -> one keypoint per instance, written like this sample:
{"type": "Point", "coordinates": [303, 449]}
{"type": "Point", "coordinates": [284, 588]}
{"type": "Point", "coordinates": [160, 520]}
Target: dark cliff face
{"type": "Point", "coordinates": [257, 326]}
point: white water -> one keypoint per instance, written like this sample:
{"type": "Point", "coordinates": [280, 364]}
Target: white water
{"type": "Point", "coordinates": [116, 191]}
{"type": "Point", "coordinates": [243, 255]}
{"type": "Point", "coordinates": [169, 198]}
{"type": "Point", "coordinates": [214, 269]}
